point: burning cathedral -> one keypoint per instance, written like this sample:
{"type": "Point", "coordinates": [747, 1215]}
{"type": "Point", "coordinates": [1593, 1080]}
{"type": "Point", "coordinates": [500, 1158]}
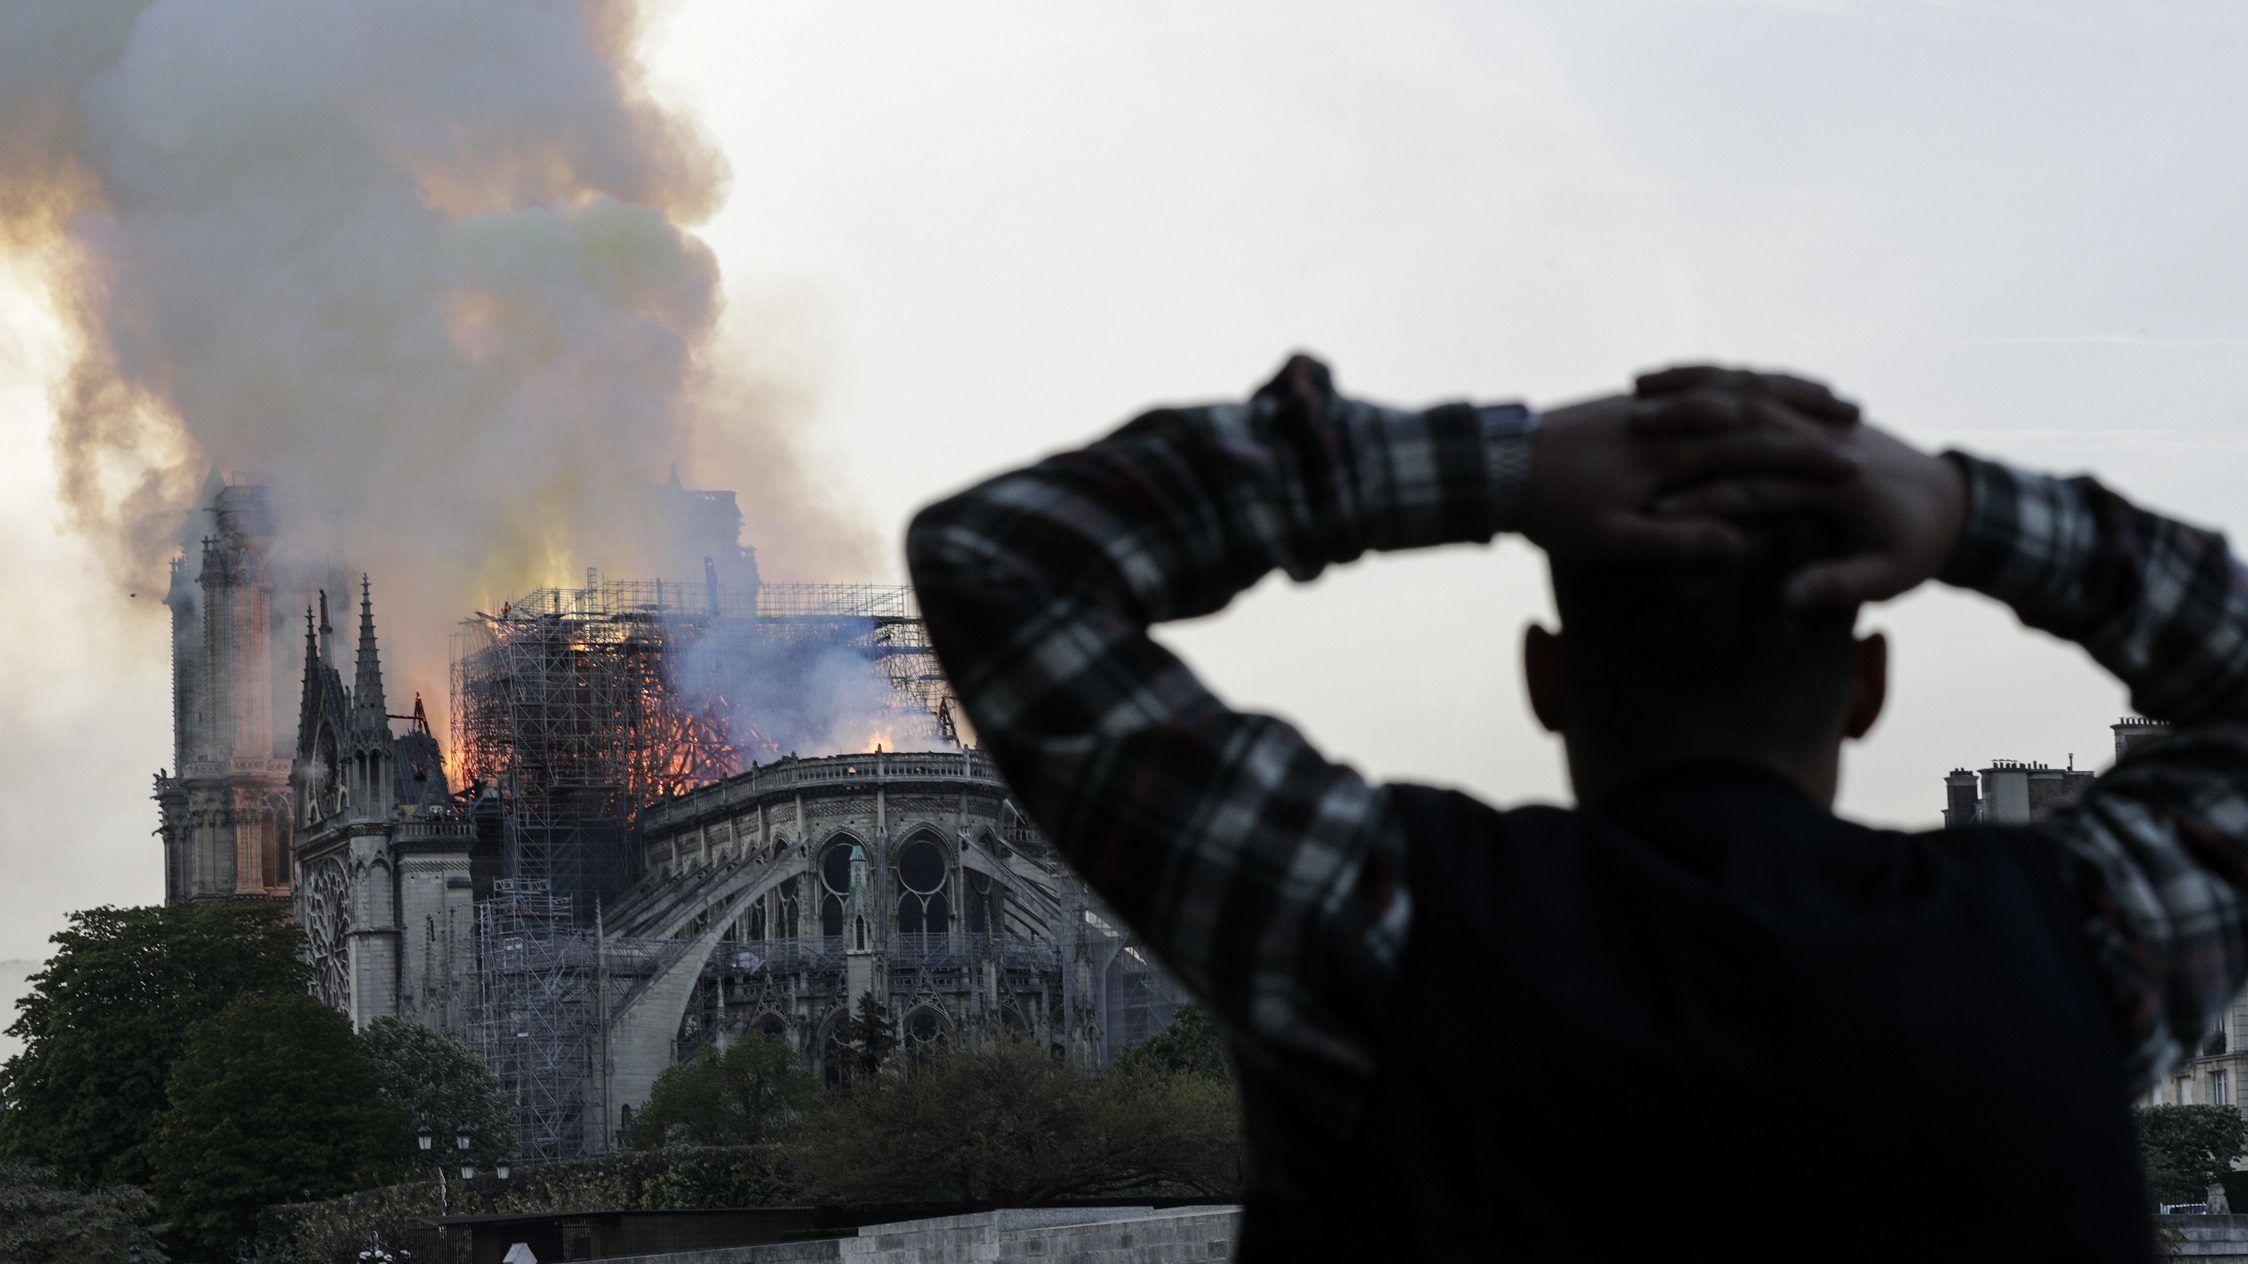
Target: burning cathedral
{"type": "Point", "coordinates": [672, 811]}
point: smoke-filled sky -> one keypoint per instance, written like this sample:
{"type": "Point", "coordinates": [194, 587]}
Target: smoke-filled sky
{"type": "Point", "coordinates": [455, 269]}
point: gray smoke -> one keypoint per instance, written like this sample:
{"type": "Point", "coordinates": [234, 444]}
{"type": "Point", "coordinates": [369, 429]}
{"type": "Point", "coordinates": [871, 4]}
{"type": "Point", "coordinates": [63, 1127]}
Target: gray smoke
{"type": "Point", "coordinates": [424, 268]}
{"type": "Point", "coordinates": [814, 695]}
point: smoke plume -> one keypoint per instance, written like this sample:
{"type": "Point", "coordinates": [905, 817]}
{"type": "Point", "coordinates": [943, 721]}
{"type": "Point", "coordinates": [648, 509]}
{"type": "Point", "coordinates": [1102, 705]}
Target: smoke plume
{"type": "Point", "coordinates": [424, 268]}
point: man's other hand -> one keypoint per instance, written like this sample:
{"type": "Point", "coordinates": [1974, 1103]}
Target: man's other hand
{"type": "Point", "coordinates": [1710, 397]}
{"type": "Point", "coordinates": [1598, 467]}
{"type": "Point", "coordinates": [1903, 513]}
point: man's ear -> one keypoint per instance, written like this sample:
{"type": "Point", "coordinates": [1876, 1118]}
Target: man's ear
{"type": "Point", "coordinates": [1869, 684]}
{"type": "Point", "coordinates": [1541, 670]}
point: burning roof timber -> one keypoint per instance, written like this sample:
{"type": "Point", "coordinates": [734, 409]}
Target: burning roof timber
{"type": "Point", "coordinates": [583, 706]}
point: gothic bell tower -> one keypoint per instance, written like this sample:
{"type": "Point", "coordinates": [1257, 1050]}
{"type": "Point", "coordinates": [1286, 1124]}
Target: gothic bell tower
{"type": "Point", "coordinates": [225, 804]}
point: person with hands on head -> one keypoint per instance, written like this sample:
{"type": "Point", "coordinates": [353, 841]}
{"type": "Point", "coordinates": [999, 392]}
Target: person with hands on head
{"type": "Point", "coordinates": [1696, 1015]}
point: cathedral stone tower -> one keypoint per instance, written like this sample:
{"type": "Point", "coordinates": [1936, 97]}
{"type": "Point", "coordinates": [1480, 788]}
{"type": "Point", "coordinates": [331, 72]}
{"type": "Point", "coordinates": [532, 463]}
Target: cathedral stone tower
{"type": "Point", "coordinates": [225, 804]}
{"type": "Point", "coordinates": [385, 859]}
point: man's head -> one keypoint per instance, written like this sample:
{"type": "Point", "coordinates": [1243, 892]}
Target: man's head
{"type": "Point", "coordinates": [1661, 662]}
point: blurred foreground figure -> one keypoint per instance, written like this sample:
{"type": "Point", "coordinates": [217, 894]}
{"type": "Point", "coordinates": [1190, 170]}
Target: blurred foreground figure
{"type": "Point", "coordinates": [1697, 1016]}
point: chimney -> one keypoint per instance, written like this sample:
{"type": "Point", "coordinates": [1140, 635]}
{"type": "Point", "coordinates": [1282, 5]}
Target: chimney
{"type": "Point", "coordinates": [2133, 731]}
{"type": "Point", "coordinates": [2006, 792]}
{"type": "Point", "coordinates": [1962, 805]}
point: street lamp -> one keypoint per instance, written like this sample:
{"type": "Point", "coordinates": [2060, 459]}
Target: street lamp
{"type": "Point", "coordinates": [426, 1137]}
{"type": "Point", "coordinates": [502, 1168]}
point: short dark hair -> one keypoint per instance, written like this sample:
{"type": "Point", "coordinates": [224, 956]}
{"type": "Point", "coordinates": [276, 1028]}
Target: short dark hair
{"type": "Point", "coordinates": [1666, 650]}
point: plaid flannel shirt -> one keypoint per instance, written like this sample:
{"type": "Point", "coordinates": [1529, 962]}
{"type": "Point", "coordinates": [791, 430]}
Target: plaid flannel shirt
{"type": "Point", "coordinates": [1272, 881]}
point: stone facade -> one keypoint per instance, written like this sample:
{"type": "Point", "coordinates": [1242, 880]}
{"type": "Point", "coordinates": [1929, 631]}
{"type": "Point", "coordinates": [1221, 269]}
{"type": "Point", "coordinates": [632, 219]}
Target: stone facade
{"type": "Point", "coordinates": [2214, 1075]}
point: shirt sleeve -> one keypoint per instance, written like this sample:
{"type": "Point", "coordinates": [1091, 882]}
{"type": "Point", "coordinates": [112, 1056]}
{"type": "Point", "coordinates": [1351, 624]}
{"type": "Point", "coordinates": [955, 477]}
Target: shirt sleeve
{"type": "Point", "coordinates": [1270, 880]}
{"type": "Point", "coordinates": [2157, 849]}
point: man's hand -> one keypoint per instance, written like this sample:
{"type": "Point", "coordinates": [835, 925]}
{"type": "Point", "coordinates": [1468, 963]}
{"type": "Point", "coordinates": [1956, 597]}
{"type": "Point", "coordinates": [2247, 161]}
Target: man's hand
{"type": "Point", "coordinates": [1903, 513]}
{"type": "Point", "coordinates": [1598, 467]}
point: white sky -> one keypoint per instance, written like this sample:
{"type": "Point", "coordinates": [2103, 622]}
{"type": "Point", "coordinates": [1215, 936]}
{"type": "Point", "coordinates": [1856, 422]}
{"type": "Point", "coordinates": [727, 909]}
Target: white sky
{"type": "Point", "coordinates": [989, 230]}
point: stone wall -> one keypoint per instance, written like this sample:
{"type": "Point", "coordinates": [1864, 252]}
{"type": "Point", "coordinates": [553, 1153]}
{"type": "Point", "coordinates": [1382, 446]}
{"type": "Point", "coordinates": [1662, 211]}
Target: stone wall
{"type": "Point", "coordinates": [2206, 1239]}
{"type": "Point", "coordinates": [1140, 1235]}
{"type": "Point", "coordinates": [1103, 1235]}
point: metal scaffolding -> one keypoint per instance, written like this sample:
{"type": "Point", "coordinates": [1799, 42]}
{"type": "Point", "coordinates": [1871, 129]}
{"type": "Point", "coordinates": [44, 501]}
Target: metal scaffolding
{"type": "Point", "coordinates": [583, 706]}
{"type": "Point", "coordinates": [1138, 998]}
{"type": "Point", "coordinates": [884, 620]}
{"type": "Point", "coordinates": [541, 1025]}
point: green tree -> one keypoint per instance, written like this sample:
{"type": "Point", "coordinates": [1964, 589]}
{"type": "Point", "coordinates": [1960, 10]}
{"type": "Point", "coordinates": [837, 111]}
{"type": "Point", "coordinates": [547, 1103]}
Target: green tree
{"type": "Point", "coordinates": [108, 1016]}
{"type": "Point", "coordinates": [443, 1085]}
{"type": "Point", "coordinates": [2186, 1149]}
{"type": "Point", "coordinates": [1191, 1042]}
{"type": "Point", "coordinates": [742, 1097]}
{"type": "Point", "coordinates": [1010, 1124]}
{"type": "Point", "coordinates": [273, 1101]}
{"type": "Point", "coordinates": [41, 1220]}
{"type": "Point", "coordinates": [869, 1036]}
{"type": "Point", "coordinates": [1183, 1129]}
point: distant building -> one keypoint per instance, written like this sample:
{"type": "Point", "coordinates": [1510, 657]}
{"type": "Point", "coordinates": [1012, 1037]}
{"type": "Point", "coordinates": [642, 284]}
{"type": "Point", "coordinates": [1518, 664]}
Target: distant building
{"type": "Point", "coordinates": [2012, 792]}
{"type": "Point", "coordinates": [629, 862]}
{"type": "Point", "coordinates": [2212, 1076]}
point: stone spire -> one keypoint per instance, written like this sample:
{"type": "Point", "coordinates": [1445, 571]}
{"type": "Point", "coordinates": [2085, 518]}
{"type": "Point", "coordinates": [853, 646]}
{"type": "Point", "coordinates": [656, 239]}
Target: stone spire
{"type": "Point", "coordinates": [368, 706]}
{"type": "Point", "coordinates": [311, 674]}
{"type": "Point", "coordinates": [327, 633]}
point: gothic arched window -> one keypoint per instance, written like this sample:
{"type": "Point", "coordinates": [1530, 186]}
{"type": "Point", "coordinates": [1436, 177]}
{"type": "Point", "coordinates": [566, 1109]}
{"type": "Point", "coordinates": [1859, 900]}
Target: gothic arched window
{"type": "Point", "coordinates": [835, 883]}
{"type": "Point", "coordinates": [925, 1033]}
{"type": "Point", "coordinates": [922, 906]}
{"type": "Point", "coordinates": [274, 841]}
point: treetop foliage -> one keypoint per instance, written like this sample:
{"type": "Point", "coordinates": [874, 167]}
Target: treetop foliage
{"type": "Point", "coordinates": [1010, 1124]}
{"type": "Point", "coordinates": [2186, 1149]}
{"type": "Point", "coordinates": [442, 1084]}
{"type": "Point", "coordinates": [274, 1100]}
{"type": "Point", "coordinates": [744, 1096]}
{"type": "Point", "coordinates": [108, 1017]}
{"type": "Point", "coordinates": [1192, 1042]}
{"type": "Point", "coordinates": [868, 1033]}
{"type": "Point", "coordinates": [42, 1220]}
